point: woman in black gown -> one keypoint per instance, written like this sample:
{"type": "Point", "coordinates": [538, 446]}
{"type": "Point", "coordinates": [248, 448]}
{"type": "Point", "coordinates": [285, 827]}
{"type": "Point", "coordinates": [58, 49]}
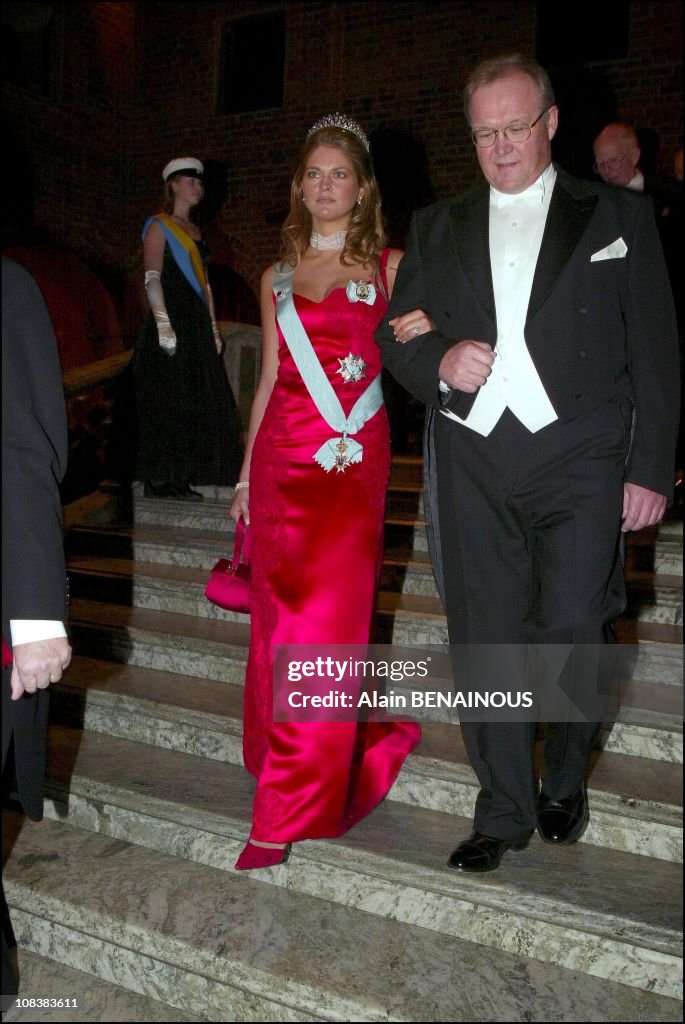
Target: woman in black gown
{"type": "Point", "coordinates": [186, 417]}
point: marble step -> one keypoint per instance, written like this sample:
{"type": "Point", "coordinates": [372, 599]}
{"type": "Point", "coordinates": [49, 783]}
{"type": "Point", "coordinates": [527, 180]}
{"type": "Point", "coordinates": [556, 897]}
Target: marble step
{"type": "Point", "coordinates": [559, 906]}
{"type": "Point", "coordinates": [199, 539]}
{"type": "Point", "coordinates": [658, 549]}
{"type": "Point", "coordinates": [653, 598]}
{"type": "Point", "coordinates": [91, 998]}
{"type": "Point", "coordinates": [226, 947]}
{"type": "Point", "coordinates": [418, 619]}
{"type": "Point", "coordinates": [403, 498]}
{"type": "Point", "coordinates": [636, 803]}
{"type": "Point", "coordinates": [160, 640]}
{"type": "Point", "coordinates": [404, 507]}
{"type": "Point", "coordinates": [200, 549]}
{"type": "Point", "coordinates": [406, 619]}
{"type": "Point", "coordinates": [406, 475]}
{"type": "Point", "coordinates": [649, 725]}
{"type": "Point", "coordinates": [404, 570]}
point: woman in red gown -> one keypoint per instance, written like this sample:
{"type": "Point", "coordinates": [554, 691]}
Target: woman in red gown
{"type": "Point", "coordinates": [316, 513]}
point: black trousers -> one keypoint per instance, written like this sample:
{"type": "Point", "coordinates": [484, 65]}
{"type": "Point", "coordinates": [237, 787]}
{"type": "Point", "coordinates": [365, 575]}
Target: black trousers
{"type": "Point", "coordinates": [529, 530]}
{"type": "Point", "coordinates": [24, 737]}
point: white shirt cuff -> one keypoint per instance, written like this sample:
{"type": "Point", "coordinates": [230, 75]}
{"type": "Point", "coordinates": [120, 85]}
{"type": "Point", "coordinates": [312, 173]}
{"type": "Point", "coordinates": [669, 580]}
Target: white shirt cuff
{"type": "Point", "coordinates": [27, 631]}
{"type": "Point", "coordinates": [445, 388]}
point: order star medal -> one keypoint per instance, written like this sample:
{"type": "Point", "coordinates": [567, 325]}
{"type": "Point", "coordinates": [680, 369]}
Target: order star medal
{"type": "Point", "coordinates": [342, 459]}
{"type": "Point", "coordinates": [352, 369]}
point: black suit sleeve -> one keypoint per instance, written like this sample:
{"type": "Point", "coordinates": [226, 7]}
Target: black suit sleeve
{"type": "Point", "coordinates": [34, 453]}
{"type": "Point", "coordinates": [652, 359]}
{"type": "Point", "coordinates": [415, 364]}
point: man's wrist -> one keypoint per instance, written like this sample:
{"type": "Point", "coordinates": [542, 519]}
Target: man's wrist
{"type": "Point", "coordinates": [29, 631]}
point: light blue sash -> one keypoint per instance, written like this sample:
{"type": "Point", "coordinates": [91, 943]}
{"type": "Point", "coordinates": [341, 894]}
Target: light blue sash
{"type": "Point", "coordinates": [341, 451]}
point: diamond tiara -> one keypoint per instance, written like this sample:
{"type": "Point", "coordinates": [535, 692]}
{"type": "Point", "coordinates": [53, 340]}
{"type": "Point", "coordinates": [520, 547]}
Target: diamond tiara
{"type": "Point", "coordinates": [338, 120]}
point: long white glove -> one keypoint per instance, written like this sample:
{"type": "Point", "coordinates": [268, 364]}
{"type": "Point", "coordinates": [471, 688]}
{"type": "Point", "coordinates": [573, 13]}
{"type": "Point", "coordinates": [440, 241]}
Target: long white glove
{"type": "Point", "coordinates": [155, 296]}
{"type": "Point", "coordinates": [218, 340]}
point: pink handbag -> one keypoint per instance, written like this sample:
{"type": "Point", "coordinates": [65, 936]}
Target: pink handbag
{"type": "Point", "coordinates": [229, 584]}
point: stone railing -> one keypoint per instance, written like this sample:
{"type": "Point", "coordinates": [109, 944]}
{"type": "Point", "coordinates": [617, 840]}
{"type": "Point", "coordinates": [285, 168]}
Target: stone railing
{"type": "Point", "coordinates": [99, 446]}
{"type": "Point", "coordinates": [94, 375]}
{"type": "Point", "coordinates": [243, 360]}
{"type": "Point", "coordinates": [90, 392]}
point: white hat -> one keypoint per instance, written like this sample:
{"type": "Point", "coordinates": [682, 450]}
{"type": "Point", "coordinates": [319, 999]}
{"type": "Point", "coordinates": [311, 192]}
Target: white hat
{"type": "Point", "coordinates": [187, 165]}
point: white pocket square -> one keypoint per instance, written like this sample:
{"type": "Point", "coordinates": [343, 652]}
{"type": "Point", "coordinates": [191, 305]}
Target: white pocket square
{"type": "Point", "coordinates": [615, 251]}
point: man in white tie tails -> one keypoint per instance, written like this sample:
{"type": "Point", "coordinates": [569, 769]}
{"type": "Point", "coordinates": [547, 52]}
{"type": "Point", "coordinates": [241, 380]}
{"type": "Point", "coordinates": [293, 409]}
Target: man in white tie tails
{"type": "Point", "coordinates": [533, 316]}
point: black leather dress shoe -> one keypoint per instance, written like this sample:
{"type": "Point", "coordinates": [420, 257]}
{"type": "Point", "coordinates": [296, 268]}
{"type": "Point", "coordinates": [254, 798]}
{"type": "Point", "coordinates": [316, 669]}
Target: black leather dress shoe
{"type": "Point", "coordinates": [481, 853]}
{"type": "Point", "coordinates": [562, 822]}
{"type": "Point", "coordinates": [161, 490]}
{"type": "Point", "coordinates": [186, 493]}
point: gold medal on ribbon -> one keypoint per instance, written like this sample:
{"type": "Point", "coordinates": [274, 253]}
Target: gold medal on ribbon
{"type": "Point", "coordinates": [342, 459]}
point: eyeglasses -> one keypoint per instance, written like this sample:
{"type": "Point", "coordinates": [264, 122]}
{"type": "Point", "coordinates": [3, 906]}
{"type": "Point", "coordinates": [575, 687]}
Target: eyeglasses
{"type": "Point", "coordinates": [519, 131]}
{"type": "Point", "coordinates": [609, 165]}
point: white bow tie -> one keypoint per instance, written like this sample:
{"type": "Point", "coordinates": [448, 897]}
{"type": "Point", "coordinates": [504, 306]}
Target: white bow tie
{"type": "Point", "coordinates": [534, 196]}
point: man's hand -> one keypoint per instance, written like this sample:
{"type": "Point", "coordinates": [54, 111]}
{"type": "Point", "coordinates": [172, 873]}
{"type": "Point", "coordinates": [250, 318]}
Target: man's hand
{"type": "Point", "coordinates": [38, 664]}
{"type": "Point", "coordinates": [641, 507]}
{"type": "Point", "coordinates": [467, 365]}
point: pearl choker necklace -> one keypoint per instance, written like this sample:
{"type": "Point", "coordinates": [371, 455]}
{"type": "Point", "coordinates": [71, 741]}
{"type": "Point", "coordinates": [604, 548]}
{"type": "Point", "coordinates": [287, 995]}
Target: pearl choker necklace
{"type": "Point", "coordinates": [335, 241]}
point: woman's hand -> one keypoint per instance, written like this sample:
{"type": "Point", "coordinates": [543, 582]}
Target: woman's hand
{"type": "Point", "coordinates": [411, 325]}
{"type": "Point", "coordinates": [240, 506]}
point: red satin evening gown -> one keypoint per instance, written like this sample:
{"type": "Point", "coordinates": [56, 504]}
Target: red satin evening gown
{"type": "Point", "coordinates": [316, 554]}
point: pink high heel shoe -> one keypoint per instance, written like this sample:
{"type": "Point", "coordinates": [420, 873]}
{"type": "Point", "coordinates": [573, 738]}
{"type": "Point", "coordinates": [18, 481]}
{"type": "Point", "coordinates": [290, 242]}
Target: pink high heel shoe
{"type": "Point", "coordinates": [261, 856]}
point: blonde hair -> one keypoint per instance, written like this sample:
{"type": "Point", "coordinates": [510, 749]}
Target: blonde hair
{"type": "Point", "coordinates": [365, 239]}
{"type": "Point", "coordinates": [492, 70]}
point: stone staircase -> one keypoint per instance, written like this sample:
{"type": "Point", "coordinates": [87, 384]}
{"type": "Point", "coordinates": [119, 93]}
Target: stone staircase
{"type": "Point", "coordinates": [129, 885]}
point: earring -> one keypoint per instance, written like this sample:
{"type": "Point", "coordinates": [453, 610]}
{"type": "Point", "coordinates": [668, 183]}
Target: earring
{"type": "Point", "coordinates": [359, 199]}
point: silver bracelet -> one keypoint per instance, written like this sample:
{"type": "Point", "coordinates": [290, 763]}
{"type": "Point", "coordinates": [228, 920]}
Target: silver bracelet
{"type": "Point", "coordinates": [241, 484]}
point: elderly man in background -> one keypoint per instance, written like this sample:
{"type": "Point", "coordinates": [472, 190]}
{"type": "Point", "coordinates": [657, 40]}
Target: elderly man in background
{"type": "Point", "coordinates": [617, 157]}
{"type": "Point", "coordinates": [617, 161]}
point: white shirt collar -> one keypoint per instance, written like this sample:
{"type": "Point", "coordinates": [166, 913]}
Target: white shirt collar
{"type": "Point", "coordinates": [534, 194]}
{"type": "Point", "coordinates": [637, 184]}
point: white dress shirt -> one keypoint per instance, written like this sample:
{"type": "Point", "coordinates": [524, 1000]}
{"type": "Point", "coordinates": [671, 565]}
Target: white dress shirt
{"type": "Point", "coordinates": [517, 224]}
{"type": "Point", "coordinates": [26, 631]}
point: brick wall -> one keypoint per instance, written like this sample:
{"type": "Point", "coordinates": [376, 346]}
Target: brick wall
{"type": "Point", "coordinates": [395, 66]}
{"type": "Point", "coordinates": [140, 81]}
{"type": "Point", "coordinates": [78, 138]}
